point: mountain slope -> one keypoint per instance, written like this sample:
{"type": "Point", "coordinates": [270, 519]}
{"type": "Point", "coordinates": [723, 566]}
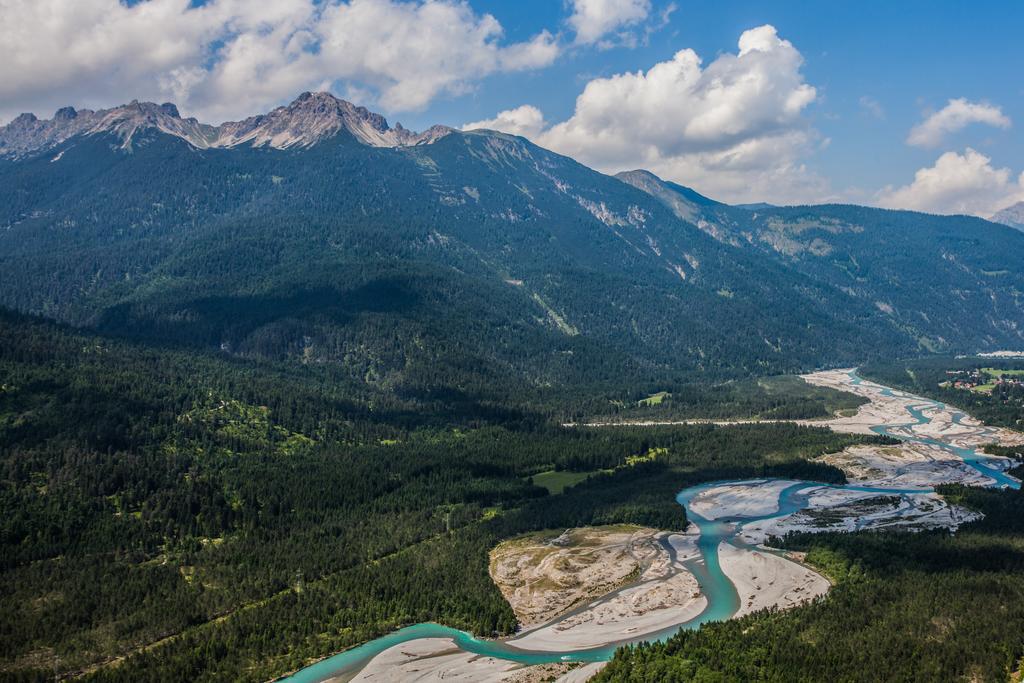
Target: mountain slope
{"type": "Point", "coordinates": [948, 281]}
{"type": "Point", "coordinates": [450, 258]}
{"type": "Point", "coordinates": [1011, 215]}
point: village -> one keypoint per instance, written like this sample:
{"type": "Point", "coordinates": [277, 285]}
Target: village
{"type": "Point", "coordinates": [983, 380]}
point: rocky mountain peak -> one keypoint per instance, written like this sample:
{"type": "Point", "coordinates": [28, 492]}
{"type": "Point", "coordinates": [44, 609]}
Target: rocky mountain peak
{"type": "Point", "coordinates": [65, 114]}
{"type": "Point", "coordinates": [170, 109]}
{"type": "Point", "coordinates": [325, 104]}
{"type": "Point", "coordinates": [28, 134]}
{"type": "Point", "coordinates": [26, 119]}
{"type": "Point", "coordinates": [309, 119]}
{"type": "Point", "coordinates": [432, 134]}
{"type": "Point", "coordinates": [314, 116]}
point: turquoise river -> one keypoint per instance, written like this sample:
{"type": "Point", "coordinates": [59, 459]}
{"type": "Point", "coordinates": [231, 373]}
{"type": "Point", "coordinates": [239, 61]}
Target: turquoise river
{"type": "Point", "coordinates": [722, 598]}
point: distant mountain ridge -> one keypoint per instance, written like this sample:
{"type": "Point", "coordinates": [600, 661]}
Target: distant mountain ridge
{"type": "Point", "coordinates": [1012, 215]}
{"type": "Point", "coordinates": [933, 275]}
{"type": "Point", "coordinates": [309, 119]}
{"type": "Point", "coordinates": [318, 233]}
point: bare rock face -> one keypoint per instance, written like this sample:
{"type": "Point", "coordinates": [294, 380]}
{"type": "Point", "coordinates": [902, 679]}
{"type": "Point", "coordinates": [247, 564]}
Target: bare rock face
{"type": "Point", "coordinates": [1011, 215]}
{"type": "Point", "coordinates": [311, 118]}
{"type": "Point", "coordinates": [65, 114]}
{"type": "Point", "coordinates": [28, 134]}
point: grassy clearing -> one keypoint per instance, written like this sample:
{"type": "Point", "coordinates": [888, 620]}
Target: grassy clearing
{"type": "Point", "coordinates": [996, 373]}
{"type": "Point", "coordinates": [654, 399]}
{"type": "Point", "coordinates": [556, 481]}
{"type": "Point", "coordinates": [650, 455]}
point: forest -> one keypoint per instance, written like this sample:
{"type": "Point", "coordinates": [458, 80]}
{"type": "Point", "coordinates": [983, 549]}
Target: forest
{"type": "Point", "coordinates": [285, 399]}
{"type": "Point", "coordinates": [259, 405]}
{"type": "Point", "coordinates": [382, 264]}
{"type": "Point", "coordinates": [169, 515]}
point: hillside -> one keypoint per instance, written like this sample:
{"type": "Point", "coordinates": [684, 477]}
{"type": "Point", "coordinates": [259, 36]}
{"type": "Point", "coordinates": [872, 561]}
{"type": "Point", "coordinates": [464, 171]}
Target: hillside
{"type": "Point", "coordinates": [214, 518]}
{"type": "Point", "coordinates": [258, 375]}
{"type": "Point", "coordinates": [452, 257]}
{"type": "Point", "coordinates": [950, 282]}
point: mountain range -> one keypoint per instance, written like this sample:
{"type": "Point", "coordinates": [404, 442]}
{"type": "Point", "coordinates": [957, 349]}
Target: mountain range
{"type": "Point", "coordinates": [309, 119]}
{"type": "Point", "coordinates": [1012, 215]}
{"type": "Point", "coordinates": [467, 259]}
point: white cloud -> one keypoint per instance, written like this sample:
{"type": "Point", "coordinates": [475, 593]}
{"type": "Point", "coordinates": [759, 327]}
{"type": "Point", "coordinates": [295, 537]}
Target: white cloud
{"type": "Point", "coordinates": [956, 115]}
{"type": "Point", "coordinates": [733, 129]}
{"type": "Point", "coordinates": [231, 58]}
{"type": "Point", "coordinates": [872, 107]}
{"type": "Point", "coordinates": [594, 20]}
{"type": "Point", "coordinates": [957, 184]}
{"type": "Point", "coordinates": [526, 120]}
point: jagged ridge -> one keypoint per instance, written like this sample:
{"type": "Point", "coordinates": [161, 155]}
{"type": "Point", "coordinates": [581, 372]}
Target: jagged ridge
{"type": "Point", "coordinates": [312, 117]}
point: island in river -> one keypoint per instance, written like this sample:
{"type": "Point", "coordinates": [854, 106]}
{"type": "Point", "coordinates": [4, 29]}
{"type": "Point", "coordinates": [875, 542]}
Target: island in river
{"type": "Point", "coordinates": [581, 593]}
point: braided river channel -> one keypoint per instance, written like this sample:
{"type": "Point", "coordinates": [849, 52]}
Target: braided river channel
{"type": "Point", "coordinates": [960, 450]}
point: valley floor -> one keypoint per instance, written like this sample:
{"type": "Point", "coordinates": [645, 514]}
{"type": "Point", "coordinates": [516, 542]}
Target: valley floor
{"type": "Point", "coordinates": [587, 588]}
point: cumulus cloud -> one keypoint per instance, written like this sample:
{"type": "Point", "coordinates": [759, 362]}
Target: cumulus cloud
{"type": "Point", "coordinates": [957, 184]}
{"type": "Point", "coordinates": [734, 129]}
{"type": "Point", "coordinates": [955, 116]}
{"type": "Point", "coordinates": [872, 107]}
{"type": "Point", "coordinates": [594, 20]}
{"type": "Point", "coordinates": [526, 120]}
{"type": "Point", "coordinates": [230, 58]}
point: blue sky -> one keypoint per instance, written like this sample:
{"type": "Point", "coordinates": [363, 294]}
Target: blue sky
{"type": "Point", "coordinates": [908, 57]}
{"type": "Point", "coordinates": [837, 87]}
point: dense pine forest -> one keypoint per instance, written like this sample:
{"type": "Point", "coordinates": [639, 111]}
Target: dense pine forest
{"type": "Point", "coordinates": [180, 516]}
{"type": "Point", "coordinates": [379, 262]}
{"type": "Point", "coordinates": [480, 252]}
